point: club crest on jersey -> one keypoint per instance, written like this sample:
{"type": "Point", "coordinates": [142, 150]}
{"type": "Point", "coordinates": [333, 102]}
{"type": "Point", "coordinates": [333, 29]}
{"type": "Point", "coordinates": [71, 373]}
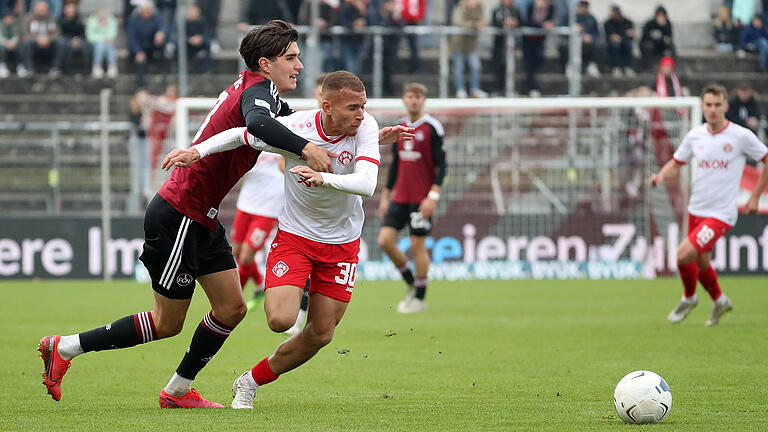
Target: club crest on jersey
{"type": "Point", "coordinates": [280, 269]}
{"type": "Point", "coordinates": [419, 136]}
{"type": "Point", "coordinates": [727, 147]}
{"type": "Point", "coordinates": [345, 158]}
{"type": "Point", "coordinates": [184, 279]}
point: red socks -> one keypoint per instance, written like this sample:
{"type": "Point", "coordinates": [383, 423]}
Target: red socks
{"type": "Point", "coordinates": [248, 271]}
{"type": "Point", "coordinates": [689, 273]}
{"type": "Point", "coordinates": [262, 374]}
{"type": "Point", "coordinates": [708, 279]}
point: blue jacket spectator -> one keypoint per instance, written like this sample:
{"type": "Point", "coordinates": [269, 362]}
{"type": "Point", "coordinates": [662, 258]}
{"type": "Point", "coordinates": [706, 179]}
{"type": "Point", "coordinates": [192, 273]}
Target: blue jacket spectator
{"type": "Point", "coordinates": [754, 38]}
{"type": "Point", "coordinates": [619, 34]}
{"type": "Point", "coordinates": [590, 39]}
{"type": "Point", "coordinates": [146, 40]}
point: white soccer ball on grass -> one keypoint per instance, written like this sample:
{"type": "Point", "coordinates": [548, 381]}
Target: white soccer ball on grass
{"type": "Point", "coordinates": [642, 397]}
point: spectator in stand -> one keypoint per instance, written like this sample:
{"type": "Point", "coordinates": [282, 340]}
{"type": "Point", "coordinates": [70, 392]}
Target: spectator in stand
{"type": "Point", "coordinates": [754, 38]}
{"type": "Point", "coordinates": [146, 41]}
{"type": "Point", "coordinates": [505, 16]}
{"type": "Point", "coordinates": [257, 12]}
{"type": "Point", "coordinates": [197, 44]}
{"type": "Point", "coordinates": [211, 9]}
{"type": "Point", "coordinates": [9, 7]}
{"type": "Point", "coordinates": [656, 41]}
{"type": "Point", "coordinates": [38, 35]}
{"type": "Point", "coordinates": [328, 16]}
{"type": "Point", "coordinates": [743, 108]}
{"type": "Point", "coordinates": [743, 11]}
{"type": "Point", "coordinates": [389, 16]}
{"type": "Point", "coordinates": [412, 14]}
{"type": "Point", "coordinates": [353, 15]}
{"type": "Point", "coordinates": [590, 38]}
{"type": "Point", "coordinates": [166, 9]}
{"type": "Point", "coordinates": [464, 48]}
{"type": "Point", "coordinates": [724, 32]}
{"type": "Point", "coordinates": [9, 41]}
{"type": "Point", "coordinates": [540, 14]}
{"type": "Point", "coordinates": [619, 34]}
{"type": "Point", "coordinates": [101, 32]}
{"type": "Point", "coordinates": [667, 84]}
{"type": "Point", "coordinates": [71, 40]}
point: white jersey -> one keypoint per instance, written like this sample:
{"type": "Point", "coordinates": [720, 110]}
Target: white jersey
{"type": "Point", "coordinates": [262, 191]}
{"type": "Point", "coordinates": [325, 214]}
{"type": "Point", "coordinates": [720, 158]}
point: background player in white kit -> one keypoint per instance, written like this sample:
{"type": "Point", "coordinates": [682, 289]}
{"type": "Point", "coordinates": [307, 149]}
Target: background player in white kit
{"type": "Point", "coordinates": [259, 203]}
{"type": "Point", "coordinates": [319, 229]}
{"type": "Point", "coordinates": [720, 149]}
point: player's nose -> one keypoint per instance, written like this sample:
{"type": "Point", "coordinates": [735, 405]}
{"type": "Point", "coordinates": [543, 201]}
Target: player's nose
{"type": "Point", "coordinates": [299, 65]}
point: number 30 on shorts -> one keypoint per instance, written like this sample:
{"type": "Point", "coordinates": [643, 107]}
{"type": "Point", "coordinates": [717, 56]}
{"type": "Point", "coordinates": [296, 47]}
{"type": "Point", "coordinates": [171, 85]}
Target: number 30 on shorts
{"type": "Point", "coordinates": [346, 275]}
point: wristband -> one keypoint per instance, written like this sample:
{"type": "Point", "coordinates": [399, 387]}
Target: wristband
{"type": "Point", "coordinates": [434, 195]}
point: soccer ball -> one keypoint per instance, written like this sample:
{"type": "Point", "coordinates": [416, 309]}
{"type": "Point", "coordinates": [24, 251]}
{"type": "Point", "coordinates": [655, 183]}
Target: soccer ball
{"type": "Point", "coordinates": [642, 397]}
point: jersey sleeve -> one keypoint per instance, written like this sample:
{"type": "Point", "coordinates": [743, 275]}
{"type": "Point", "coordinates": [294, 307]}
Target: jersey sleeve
{"type": "Point", "coordinates": [368, 141]}
{"type": "Point", "coordinates": [260, 105]}
{"type": "Point", "coordinates": [438, 155]}
{"type": "Point", "coordinates": [753, 147]}
{"type": "Point", "coordinates": [361, 182]}
{"type": "Point", "coordinates": [684, 153]}
{"type": "Point", "coordinates": [259, 97]}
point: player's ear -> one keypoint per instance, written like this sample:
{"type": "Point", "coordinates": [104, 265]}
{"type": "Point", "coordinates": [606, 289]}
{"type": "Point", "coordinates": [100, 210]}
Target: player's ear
{"type": "Point", "coordinates": [264, 65]}
{"type": "Point", "coordinates": [326, 106]}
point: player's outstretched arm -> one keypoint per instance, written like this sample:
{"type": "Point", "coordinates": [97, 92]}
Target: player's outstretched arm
{"type": "Point", "coordinates": [223, 141]}
{"type": "Point", "coordinates": [391, 134]}
{"type": "Point", "coordinates": [361, 182]}
{"type": "Point", "coordinates": [754, 199]}
{"type": "Point", "coordinates": [670, 169]}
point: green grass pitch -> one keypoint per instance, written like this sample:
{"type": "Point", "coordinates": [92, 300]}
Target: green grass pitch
{"type": "Point", "coordinates": [500, 355]}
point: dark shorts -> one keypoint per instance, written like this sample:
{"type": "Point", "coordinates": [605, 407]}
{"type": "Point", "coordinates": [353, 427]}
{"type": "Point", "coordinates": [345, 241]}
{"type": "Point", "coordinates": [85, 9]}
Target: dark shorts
{"type": "Point", "coordinates": [398, 215]}
{"type": "Point", "coordinates": [177, 250]}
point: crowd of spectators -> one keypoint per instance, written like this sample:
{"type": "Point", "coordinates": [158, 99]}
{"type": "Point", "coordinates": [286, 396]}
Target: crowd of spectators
{"type": "Point", "coordinates": [52, 35]}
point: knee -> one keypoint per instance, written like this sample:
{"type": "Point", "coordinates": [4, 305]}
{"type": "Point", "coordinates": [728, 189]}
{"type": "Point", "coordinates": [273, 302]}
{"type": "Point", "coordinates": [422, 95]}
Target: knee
{"type": "Point", "coordinates": [280, 323]}
{"type": "Point", "coordinates": [318, 337]}
{"type": "Point", "coordinates": [232, 314]}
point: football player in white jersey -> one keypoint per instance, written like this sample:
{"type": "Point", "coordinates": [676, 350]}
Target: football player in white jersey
{"type": "Point", "coordinates": [259, 203]}
{"type": "Point", "coordinates": [720, 149]}
{"type": "Point", "coordinates": [320, 226]}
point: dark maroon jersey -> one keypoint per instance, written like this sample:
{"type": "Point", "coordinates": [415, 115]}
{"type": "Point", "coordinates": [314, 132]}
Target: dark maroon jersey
{"type": "Point", "coordinates": [196, 191]}
{"type": "Point", "coordinates": [419, 163]}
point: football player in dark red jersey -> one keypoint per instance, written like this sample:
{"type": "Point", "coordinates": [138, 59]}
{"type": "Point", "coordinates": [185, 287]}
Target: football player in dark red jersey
{"type": "Point", "coordinates": [411, 194]}
{"type": "Point", "coordinates": [184, 241]}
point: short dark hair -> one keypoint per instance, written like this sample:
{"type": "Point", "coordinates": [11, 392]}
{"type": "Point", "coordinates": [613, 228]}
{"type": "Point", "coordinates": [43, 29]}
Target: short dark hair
{"type": "Point", "coordinates": [415, 87]}
{"type": "Point", "coordinates": [715, 89]}
{"type": "Point", "coordinates": [335, 81]}
{"type": "Point", "coordinates": [270, 41]}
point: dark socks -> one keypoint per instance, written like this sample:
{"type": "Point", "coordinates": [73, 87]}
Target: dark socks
{"type": "Point", "coordinates": [123, 333]}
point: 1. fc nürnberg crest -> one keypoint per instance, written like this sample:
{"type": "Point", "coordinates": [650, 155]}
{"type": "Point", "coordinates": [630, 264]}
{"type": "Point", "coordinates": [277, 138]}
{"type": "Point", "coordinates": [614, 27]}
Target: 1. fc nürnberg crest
{"type": "Point", "coordinates": [280, 269]}
{"type": "Point", "coordinates": [345, 158]}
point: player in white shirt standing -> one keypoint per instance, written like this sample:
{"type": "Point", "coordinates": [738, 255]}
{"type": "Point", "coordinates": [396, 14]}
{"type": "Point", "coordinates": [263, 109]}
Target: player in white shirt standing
{"type": "Point", "coordinates": [259, 203]}
{"type": "Point", "coordinates": [720, 149]}
{"type": "Point", "coordinates": [319, 228]}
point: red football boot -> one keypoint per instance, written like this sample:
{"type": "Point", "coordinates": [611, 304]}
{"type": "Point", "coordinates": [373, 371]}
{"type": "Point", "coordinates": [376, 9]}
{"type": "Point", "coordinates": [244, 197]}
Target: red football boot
{"type": "Point", "coordinates": [55, 366]}
{"type": "Point", "coordinates": [190, 400]}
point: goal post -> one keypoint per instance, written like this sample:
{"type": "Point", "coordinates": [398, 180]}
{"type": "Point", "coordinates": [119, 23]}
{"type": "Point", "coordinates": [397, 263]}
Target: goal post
{"type": "Point", "coordinates": [535, 188]}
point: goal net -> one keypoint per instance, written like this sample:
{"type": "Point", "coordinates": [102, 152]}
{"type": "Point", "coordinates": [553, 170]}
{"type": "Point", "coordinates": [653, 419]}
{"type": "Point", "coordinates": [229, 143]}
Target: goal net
{"type": "Point", "coordinates": [535, 188]}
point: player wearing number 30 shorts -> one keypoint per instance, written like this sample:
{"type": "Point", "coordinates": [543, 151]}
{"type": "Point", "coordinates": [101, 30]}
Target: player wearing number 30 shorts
{"type": "Point", "coordinates": [319, 228]}
{"type": "Point", "coordinates": [720, 150]}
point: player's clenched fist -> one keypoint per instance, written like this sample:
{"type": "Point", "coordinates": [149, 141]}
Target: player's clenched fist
{"type": "Point", "coordinates": [655, 180]}
{"type": "Point", "coordinates": [180, 158]}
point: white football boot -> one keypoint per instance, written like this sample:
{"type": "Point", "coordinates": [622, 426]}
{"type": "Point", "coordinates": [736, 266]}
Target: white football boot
{"type": "Point", "coordinates": [682, 309]}
{"type": "Point", "coordinates": [243, 391]}
{"type": "Point", "coordinates": [718, 310]}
